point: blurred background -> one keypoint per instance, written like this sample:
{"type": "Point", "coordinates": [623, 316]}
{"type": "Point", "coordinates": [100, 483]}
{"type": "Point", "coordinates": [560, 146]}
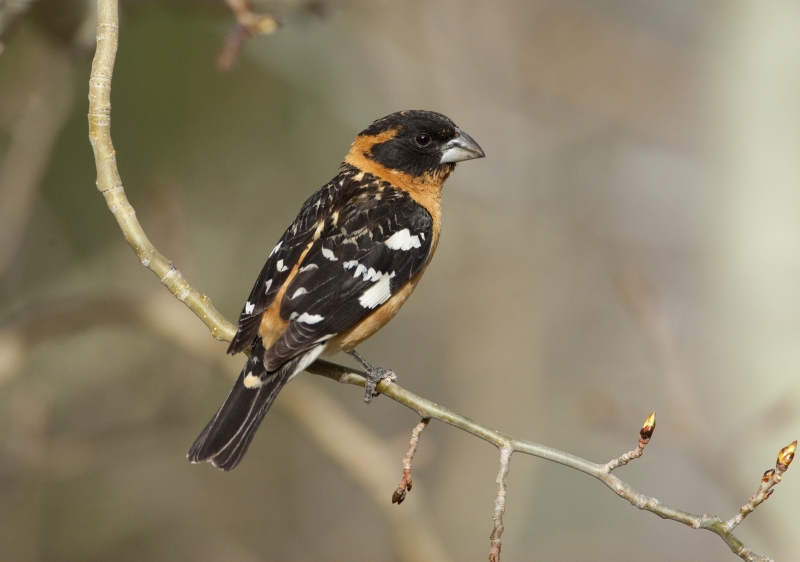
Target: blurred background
{"type": "Point", "coordinates": [630, 243]}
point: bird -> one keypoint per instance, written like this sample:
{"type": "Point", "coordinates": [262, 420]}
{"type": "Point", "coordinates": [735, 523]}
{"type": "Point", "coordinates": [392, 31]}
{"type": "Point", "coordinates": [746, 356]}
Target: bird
{"type": "Point", "coordinates": [353, 255]}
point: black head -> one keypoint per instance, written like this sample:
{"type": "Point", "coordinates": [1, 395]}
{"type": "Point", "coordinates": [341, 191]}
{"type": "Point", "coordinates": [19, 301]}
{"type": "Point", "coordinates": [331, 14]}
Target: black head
{"type": "Point", "coordinates": [417, 142]}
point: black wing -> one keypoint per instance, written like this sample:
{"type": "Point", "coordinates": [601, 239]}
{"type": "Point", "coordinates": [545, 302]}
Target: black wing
{"type": "Point", "coordinates": [283, 257]}
{"type": "Point", "coordinates": [367, 250]}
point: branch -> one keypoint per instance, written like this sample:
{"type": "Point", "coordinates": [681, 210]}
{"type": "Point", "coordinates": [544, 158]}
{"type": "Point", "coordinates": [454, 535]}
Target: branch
{"type": "Point", "coordinates": [110, 184]}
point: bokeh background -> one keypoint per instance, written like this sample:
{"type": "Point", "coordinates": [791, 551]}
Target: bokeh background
{"type": "Point", "coordinates": [630, 243]}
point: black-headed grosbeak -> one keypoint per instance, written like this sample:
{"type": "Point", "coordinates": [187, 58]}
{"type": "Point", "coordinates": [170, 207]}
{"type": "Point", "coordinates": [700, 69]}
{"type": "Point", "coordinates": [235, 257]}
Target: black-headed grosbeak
{"type": "Point", "coordinates": [342, 270]}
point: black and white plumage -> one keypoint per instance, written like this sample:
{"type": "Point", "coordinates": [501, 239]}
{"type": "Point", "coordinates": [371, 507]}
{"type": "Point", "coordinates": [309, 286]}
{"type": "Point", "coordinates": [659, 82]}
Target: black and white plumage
{"type": "Point", "coordinates": [342, 269]}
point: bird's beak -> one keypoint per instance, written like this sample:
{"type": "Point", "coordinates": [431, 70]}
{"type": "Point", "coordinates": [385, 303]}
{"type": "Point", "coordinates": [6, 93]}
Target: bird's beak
{"type": "Point", "coordinates": [461, 148]}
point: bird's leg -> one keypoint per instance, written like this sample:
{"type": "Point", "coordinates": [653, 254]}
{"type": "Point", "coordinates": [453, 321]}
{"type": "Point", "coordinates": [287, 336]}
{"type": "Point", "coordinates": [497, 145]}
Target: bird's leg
{"type": "Point", "coordinates": [374, 375]}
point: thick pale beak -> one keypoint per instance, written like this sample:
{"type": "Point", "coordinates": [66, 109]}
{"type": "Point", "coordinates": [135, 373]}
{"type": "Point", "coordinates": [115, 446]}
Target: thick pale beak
{"type": "Point", "coordinates": [461, 148]}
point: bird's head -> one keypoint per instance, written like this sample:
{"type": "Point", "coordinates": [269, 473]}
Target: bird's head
{"type": "Point", "coordinates": [415, 143]}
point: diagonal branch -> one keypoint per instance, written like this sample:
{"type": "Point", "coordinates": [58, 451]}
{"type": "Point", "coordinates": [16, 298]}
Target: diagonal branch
{"type": "Point", "coordinates": [109, 181]}
{"type": "Point", "coordinates": [110, 184]}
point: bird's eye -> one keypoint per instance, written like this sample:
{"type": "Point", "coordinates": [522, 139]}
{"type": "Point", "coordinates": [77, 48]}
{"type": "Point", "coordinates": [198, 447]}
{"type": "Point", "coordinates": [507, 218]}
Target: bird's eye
{"type": "Point", "coordinates": [422, 139]}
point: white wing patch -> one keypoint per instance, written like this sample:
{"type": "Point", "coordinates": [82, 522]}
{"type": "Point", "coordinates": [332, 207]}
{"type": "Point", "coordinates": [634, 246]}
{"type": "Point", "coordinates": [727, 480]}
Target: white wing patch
{"type": "Point", "coordinates": [350, 264]}
{"type": "Point", "coordinates": [276, 248]}
{"type": "Point", "coordinates": [280, 266]}
{"type": "Point", "coordinates": [402, 240]}
{"type": "Point", "coordinates": [370, 274]}
{"type": "Point", "coordinates": [307, 318]}
{"type": "Point", "coordinates": [298, 292]}
{"type": "Point", "coordinates": [379, 293]}
{"type": "Point", "coordinates": [308, 267]}
{"type": "Point", "coordinates": [329, 254]}
{"type": "Point", "coordinates": [267, 286]}
{"type": "Point", "coordinates": [249, 307]}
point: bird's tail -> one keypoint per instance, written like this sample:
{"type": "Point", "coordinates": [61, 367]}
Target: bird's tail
{"type": "Point", "coordinates": [225, 439]}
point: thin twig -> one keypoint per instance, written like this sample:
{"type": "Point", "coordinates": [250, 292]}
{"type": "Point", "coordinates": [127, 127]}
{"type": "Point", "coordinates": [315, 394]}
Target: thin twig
{"type": "Point", "coordinates": [644, 438]}
{"type": "Point", "coordinates": [405, 482]}
{"type": "Point", "coordinates": [768, 481]}
{"type": "Point", "coordinates": [499, 506]}
{"type": "Point", "coordinates": [110, 185]}
{"type": "Point", "coordinates": [248, 23]}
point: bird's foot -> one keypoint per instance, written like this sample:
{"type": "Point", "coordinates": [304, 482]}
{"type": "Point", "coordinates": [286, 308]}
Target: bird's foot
{"type": "Point", "coordinates": [374, 376]}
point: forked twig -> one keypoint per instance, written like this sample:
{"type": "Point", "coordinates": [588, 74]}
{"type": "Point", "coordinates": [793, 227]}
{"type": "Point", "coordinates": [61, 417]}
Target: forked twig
{"type": "Point", "coordinates": [771, 478]}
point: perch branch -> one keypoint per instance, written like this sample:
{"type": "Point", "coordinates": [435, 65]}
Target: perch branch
{"type": "Point", "coordinates": [110, 184]}
{"type": "Point", "coordinates": [426, 408]}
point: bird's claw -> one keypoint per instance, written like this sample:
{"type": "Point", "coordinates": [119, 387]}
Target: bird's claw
{"type": "Point", "coordinates": [374, 377]}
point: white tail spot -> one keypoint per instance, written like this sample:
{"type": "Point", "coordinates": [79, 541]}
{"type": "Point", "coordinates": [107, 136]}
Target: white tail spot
{"type": "Point", "coordinates": [252, 381]}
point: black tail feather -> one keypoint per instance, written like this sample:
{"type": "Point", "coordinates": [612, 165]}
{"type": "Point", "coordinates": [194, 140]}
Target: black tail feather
{"type": "Point", "coordinates": [225, 439]}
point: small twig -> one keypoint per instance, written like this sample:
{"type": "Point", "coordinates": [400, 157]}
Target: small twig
{"type": "Point", "coordinates": [405, 482]}
{"type": "Point", "coordinates": [644, 438]}
{"type": "Point", "coordinates": [499, 505]}
{"type": "Point", "coordinates": [770, 479]}
{"type": "Point", "coordinates": [248, 23]}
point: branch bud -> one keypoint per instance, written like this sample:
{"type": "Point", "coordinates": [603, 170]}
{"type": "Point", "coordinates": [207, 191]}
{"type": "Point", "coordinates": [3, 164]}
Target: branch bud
{"type": "Point", "coordinates": [648, 428]}
{"type": "Point", "coordinates": [767, 475]}
{"type": "Point", "coordinates": [768, 493]}
{"type": "Point", "coordinates": [786, 456]}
